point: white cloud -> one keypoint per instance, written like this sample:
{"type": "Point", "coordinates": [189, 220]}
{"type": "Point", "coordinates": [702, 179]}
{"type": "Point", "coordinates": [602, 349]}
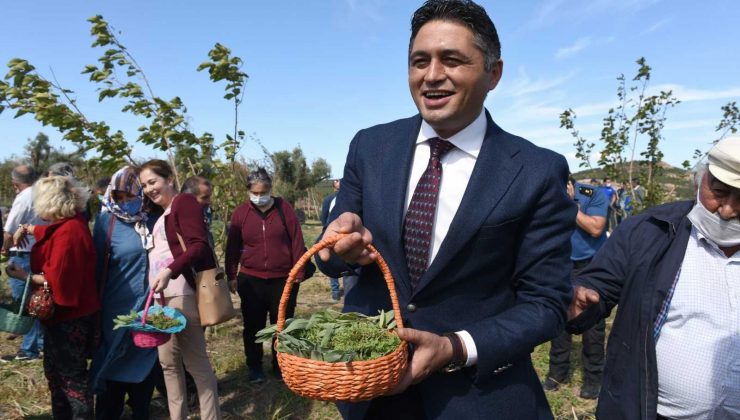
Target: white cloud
{"type": "Point", "coordinates": [596, 108]}
{"type": "Point", "coordinates": [657, 25]}
{"type": "Point", "coordinates": [523, 85]}
{"type": "Point", "coordinates": [549, 12]}
{"type": "Point", "coordinates": [544, 12]}
{"type": "Point", "coordinates": [359, 10]}
{"type": "Point", "coordinates": [574, 48]}
{"type": "Point", "coordinates": [687, 94]}
{"type": "Point", "coordinates": [686, 124]}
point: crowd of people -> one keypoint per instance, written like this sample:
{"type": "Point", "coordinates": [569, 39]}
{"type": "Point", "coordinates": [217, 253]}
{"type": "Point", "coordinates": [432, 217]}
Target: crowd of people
{"type": "Point", "coordinates": [493, 247]}
{"type": "Point", "coordinates": [134, 247]}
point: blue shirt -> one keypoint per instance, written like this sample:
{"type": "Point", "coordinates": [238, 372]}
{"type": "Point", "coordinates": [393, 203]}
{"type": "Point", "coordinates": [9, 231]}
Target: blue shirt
{"type": "Point", "coordinates": [593, 202]}
{"type": "Point", "coordinates": [608, 192]}
{"type": "Point", "coordinates": [126, 287]}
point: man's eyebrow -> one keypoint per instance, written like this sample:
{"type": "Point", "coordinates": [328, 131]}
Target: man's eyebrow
{"type": "Point", "coordinates": [447, 51]}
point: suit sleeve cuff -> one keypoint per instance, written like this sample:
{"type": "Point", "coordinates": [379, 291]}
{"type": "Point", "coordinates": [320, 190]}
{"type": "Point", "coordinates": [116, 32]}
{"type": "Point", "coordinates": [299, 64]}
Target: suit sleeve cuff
{"type": "Point", "coordinates": [467, 339]}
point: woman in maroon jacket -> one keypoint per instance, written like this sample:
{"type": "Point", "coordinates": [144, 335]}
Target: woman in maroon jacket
{"type": "Point", "coordinates": [63, 258]}
{"type": "Point", "coordinates": [172, 272]}
{"type": "Point", "coordinates": [264, 242]}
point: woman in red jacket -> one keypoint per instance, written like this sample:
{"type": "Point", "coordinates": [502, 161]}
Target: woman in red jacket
{"type": "Point", "coordinates": [172, 272]}
{"type": "Point", "coordinates": [264, 242]}
{"type": "Point", "coordinates": [63, 258]}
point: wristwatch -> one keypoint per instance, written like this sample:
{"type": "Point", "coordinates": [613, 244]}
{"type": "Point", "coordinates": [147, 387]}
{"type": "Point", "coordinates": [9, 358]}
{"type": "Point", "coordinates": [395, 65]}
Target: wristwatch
{"type": "Point", "coordinates": [458, 358]}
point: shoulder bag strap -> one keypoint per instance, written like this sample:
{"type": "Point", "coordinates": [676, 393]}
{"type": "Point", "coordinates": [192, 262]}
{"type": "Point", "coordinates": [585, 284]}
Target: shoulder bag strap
{"type": "Point", "coordinates": [279, 207]}
{"type": "Point", "coordinates": [104, 279]}
{"type": "Point", "coordinates": [185, 249]}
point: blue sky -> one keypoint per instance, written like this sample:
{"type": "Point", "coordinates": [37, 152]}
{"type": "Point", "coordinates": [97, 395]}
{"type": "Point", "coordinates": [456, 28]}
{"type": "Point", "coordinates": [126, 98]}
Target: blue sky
{"type": "Point", "coordinates": [322, 70]}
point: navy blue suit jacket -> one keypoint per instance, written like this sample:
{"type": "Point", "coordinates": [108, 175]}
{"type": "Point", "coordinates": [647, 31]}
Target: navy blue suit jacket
{"type": "Point", "coordinates": [501, 273]}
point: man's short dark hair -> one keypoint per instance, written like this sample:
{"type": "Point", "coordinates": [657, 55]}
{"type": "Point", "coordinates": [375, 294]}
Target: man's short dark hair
{"type": "Point", "coordinates": [467, 13]}
{"type": "Point", "coordinates": [24, 174]}
{"type": "Point", "coordinates": [192, 184]}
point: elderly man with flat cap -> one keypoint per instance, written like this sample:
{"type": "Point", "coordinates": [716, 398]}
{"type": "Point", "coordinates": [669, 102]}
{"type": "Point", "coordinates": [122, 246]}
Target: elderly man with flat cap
{"type": "Point", "coordinates": [674, 271]}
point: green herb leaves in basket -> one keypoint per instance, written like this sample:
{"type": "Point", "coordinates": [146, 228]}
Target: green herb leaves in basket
{"type": "Point", "coordinates": [332, 336]}
{"type": "Point", "coordinates": [157, 320]}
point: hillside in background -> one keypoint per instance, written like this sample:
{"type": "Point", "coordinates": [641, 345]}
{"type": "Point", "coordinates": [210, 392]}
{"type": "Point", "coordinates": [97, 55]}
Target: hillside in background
{"type": "Point", "coordinates": [675, 181]}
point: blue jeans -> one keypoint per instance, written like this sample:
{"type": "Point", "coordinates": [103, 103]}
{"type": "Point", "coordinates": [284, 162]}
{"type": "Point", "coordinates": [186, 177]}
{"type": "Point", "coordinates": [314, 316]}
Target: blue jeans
{"type": "Point", "coordinates": [334, 284]}
{"type": "Point", "coordinates": [33, 341]}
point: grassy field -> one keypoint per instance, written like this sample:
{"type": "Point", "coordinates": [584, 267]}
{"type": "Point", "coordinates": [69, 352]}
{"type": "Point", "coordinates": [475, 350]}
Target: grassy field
{"type": "Point", "coordinates": [24, 394]}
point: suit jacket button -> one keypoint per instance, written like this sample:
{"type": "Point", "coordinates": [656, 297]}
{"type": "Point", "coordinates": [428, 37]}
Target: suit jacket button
{"type": "Point", "coordinates": [411, 307]}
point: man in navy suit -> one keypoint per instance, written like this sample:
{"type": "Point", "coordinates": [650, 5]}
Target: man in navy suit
{"type": "Point", "coordinates": [495, 279]}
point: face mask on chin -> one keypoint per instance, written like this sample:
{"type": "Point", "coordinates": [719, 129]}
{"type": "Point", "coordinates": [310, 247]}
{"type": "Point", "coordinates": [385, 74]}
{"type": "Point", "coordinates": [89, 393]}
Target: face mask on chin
{"type": "Point", "coordinates": [724, 233]}
{"type": "Point", "coordinates": [260, 200]}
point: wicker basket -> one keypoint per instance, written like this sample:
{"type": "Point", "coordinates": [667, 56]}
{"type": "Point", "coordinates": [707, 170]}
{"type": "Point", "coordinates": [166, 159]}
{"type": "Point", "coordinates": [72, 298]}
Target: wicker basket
{"type": "Point", "coordinates": [148, 339]}
{"type": "Point", "coordinates": [341, 381]}
{"type": "Point", "coordinates": [13, 321]}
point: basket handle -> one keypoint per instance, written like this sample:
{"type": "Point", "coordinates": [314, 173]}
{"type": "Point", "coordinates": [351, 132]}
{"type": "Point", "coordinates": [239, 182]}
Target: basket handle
{"type": "Point", "coordinates": [25, 293]}
{"type": "Point", "coordinates": [149, 301]}
{"type": "Point", "coordinates": [326, 242]}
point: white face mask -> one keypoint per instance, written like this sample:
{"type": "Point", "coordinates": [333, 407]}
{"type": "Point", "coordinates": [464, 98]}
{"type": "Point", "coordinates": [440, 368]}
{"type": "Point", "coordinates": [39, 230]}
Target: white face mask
{"type": "Point", "coordinates": [724, 233]}
{"type": "Point", "coordinates": [260, 200]}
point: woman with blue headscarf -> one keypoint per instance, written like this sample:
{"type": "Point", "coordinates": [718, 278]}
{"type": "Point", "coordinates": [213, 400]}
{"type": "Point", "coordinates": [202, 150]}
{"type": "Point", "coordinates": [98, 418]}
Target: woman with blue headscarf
{"type": "Point", "coordinates": [122, 238]}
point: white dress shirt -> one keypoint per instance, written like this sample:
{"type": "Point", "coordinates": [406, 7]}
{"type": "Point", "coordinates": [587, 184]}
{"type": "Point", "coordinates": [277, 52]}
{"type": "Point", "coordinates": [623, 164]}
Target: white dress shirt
{"type": "Point", "coordinates": [698, 350]}
{"type": "Point", "coordinates": [21, 212]}
{"type": "Point", "coordinates": [457, 166]}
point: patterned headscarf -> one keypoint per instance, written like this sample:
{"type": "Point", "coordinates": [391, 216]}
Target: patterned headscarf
{"type": "Point", "coordinates": [127, 180]}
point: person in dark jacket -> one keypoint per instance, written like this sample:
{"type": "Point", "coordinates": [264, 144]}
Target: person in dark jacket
{"type": "Point", "coordinates": [264, 242]}
{"type": "Point", "coordinates": [589, 236]}
{"type": "Point", "coordinates": [674, 272]}
{"type": "Point", "coordinates": [326, 206]}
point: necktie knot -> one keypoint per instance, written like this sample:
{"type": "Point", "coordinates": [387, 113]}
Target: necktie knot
{"type": "Point", "coordinates": [439, 148]}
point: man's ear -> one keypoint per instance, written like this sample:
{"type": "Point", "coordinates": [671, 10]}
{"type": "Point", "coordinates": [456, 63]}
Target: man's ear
{"type": "Point", "coordinates": [496, 72]}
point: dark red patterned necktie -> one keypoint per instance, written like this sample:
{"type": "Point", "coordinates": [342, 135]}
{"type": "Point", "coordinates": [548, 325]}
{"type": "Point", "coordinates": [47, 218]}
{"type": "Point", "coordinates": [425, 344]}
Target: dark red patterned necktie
{"type": "Point", "coordinates": [419, 224]}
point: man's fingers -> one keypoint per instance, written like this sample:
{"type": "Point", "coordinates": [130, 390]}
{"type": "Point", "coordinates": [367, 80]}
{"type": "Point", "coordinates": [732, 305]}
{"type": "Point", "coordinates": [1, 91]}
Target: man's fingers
{"type": "Point", "coordinates": [409, 334]}
{"type": "Point", "coordinates": [586, 297]}
{"type": "Point", "coordinates": [352, 247]}
{"type": "Point", "coordinates": [592, 296]}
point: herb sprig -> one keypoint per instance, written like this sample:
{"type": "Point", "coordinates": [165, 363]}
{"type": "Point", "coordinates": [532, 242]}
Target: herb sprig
{"type": "Point", "coordinates": [333, 336]}
{"type": "Point", "coordinates": [156, 320]}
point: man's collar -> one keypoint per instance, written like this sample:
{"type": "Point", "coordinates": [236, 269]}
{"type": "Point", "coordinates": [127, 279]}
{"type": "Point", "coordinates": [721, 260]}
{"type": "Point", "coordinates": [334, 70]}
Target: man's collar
{"type": "Point", "coordinates": [469, 139]}
{"type": "Point", "coordinates": [708, 242]}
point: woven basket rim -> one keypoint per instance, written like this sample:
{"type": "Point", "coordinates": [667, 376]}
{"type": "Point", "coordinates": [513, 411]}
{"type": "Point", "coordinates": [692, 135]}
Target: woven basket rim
{"type": "Point", "coordinates": [332, 369]}
{"type": "Point", "coordinates": [361, 363]}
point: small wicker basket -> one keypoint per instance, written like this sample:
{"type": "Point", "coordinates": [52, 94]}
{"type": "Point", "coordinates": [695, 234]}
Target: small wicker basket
{"type": "Point", "coordinates": [341, 381]}
{"type": "Point", "coordinates": [13, 320]}
{"type": "Point", "coordinates": [148, 339]}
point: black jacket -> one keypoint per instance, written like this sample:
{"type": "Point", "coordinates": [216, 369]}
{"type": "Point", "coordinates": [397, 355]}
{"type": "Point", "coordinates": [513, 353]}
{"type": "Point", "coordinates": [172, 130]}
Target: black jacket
{"type": "Point", "coordinates": [325, 208]}
{"type": "Point", "coordinates": [634, 269]}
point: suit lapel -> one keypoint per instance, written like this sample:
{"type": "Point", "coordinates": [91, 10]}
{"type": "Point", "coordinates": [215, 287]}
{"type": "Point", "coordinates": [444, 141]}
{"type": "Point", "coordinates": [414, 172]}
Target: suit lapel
{"type": "Point", "coordinates": [494, 172]}
{"type": "Point", "coordinates": [398, 156]}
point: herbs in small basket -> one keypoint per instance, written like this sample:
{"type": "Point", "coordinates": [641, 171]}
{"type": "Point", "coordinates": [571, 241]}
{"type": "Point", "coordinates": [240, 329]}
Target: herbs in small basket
{"type": "Point", "coordinates": [158, 320]}
{"type": "Point", "coordinates": [332, 336]}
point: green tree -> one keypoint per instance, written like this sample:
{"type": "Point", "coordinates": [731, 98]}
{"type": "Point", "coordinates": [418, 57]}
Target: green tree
{"type": "Point", "coordinates": [119, 76]}
{"type": "Point", "coordinates": [637, 120]}
{"type": "Point", "coordinates": [728, 125]}
{"type": "Point", "coordinates": [292, 175]}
